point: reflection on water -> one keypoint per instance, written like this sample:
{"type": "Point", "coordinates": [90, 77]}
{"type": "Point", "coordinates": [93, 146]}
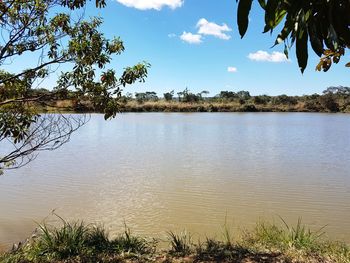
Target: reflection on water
{"type": "Point", "coordinates": [167, 171]}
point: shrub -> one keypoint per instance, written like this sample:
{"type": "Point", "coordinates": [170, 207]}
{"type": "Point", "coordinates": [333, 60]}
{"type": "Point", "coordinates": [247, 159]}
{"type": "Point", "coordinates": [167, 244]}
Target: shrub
{"type": "Point", "coordinates": [328, 102]}
{"type": "Point", "coordinates": [168, 96]}
{"type": "Point", "coordinates": [284, 99]}
{"type": "Point", "coordinates": [249, 108]}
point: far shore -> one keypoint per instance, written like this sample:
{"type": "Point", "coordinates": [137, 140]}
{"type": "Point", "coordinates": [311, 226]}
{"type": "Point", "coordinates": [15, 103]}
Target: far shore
{"type": "Point", "coordinates": [71, 106]}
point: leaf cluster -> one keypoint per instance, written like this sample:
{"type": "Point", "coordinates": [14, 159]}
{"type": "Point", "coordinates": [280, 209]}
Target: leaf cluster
{"type": "Point", "coordinates": [49, 34]}
{"type": "Point", "coordinates": [322, 23]}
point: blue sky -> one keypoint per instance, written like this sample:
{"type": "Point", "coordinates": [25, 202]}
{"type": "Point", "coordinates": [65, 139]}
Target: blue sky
{"type": "Point", "coordinates": [166, 33]}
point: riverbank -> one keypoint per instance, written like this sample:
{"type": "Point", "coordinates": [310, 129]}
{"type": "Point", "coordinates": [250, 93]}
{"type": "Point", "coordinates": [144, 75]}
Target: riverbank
{"type": "Point", "coordinates": [79, 242]}
{"type": "Point", "coordinates": [328, 102]}
{"type": "Point", "coordinates": [201, 106]}
{"type": "Point", "coordinates": [223, 106]}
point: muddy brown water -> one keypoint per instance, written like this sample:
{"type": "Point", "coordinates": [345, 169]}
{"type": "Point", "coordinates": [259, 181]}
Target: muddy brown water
{"type": "Point", "coordinates": [173, 171]}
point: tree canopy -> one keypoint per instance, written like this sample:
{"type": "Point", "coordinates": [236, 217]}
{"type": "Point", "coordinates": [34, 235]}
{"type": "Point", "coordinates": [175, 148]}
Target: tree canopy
{"type": "Point", "coordinates": [46, 33]}
{"type": "Point", "coordinates": [324, 24]}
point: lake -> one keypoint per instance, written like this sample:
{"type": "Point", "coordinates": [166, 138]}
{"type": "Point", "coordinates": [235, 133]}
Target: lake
{"type": "Point", "coordinates": [173, 171]}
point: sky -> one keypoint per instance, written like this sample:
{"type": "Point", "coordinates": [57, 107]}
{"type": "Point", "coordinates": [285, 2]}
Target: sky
{"type": "Point", "coordinates": [196, 44]}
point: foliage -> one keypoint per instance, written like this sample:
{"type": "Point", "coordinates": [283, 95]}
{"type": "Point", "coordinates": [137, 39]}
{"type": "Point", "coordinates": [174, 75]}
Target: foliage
{"type": "Point", "coordinates": [146, 96]}
{"type": "Point", "coordinates": [284, 99]}
{"type": "Point", "coordinates": [35, 30]}
{"type": "Point", "coordinates": [243, 95]}
{"type": "Point", "coordinates": [188, 96]}
{"type": "Point", "coordinates": [168, 96]}
{"type": "Point", "coordinates": [340, 90]}
{"type": "Point", "coordinates": [230, 95]}
{"type": "Point", "coordinates": [328, 102]}
{"type": "Point", "coordinates": [261, 99]}
{"type": "Point", "coordinates": [333, 99]}
{"type": "Point", "coordinates": [202, 94]}
{"type": "Point", "coordinates": [322, 23]}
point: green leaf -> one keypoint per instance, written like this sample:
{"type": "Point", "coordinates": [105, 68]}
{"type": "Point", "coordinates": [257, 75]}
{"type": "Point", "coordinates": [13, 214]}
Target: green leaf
{"type": "Point", "coordinates": [270, 13]}
{"type": "Point", "coordinates": [287, 28]}
{"type": "Point", "coordinates": [301, 49]}
{"type": "Point", "coordinates": [286, 51]}
{"type": "Point", "coordinates": [262, 3]}
{"type": "Point", "coordinates": [316, 43]}
{"type": "Point", "coordinates": [279, 17]}
{"type": "Point", "coordinates": [244, 7]}
{"type": "Point", "coordinates": [333, 37]}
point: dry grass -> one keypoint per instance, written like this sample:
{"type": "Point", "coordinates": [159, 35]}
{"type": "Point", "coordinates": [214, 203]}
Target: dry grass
{"type": "Point", "coordinates": [210, 105]}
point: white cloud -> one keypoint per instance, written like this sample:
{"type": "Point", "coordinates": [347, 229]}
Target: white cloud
{"type": "Point", "coordinates": [232, 69]}
{"type": "Point", "coordinates": [275, 56]}
{"type": "Point", "coordinates": [152, 4]}
{"type": "Point", "coordinates": [191, 38]}
{"type": "Point", "coordinates": [209, 28]}
{"type": "Point", "coordinates": [171, 35]}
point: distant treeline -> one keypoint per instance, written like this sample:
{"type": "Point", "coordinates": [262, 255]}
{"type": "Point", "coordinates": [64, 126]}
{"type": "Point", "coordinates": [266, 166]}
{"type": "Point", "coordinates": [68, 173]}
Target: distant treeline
{"type": "Point", "coordinates": [333, 99]}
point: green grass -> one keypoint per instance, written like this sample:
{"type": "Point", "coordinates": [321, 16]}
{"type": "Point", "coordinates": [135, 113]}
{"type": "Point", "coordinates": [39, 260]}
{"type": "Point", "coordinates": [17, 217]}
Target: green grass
{"type": "Point", "coordinates": [129, 243]}
{"type": "Point", "coordinates": [227, 234]}
{"type": "Point", "coordinates": [297, 241]}
{"type": "Point", "coordinates": [79, 242]}
{"type": "Point", "coordinates": [285, 237]}
{"type": "Point", "coordinates": [268, 242]}
{"type": "Point", "coordinates": [180, 244]}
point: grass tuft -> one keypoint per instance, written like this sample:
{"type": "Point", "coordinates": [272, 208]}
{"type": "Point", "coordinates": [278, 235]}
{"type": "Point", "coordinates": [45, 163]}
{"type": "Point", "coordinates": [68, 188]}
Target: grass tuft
{"type": "Point", "coordinates": [128, 243]}
{"type": "Point", "coordinates": [97, 239]}
{"type": "Point", "coordinates": [78, 242]}
{"type": "Point", "coordinates": [301, 237]}
{"type": "Point", "coordinates": [297, 237]}
{"type": "Point", "coordinates": [227, 234]}
{"type": "Point", "coordinates": [180, 244]}
{"type": "Point", "coordinates": [64, 242]}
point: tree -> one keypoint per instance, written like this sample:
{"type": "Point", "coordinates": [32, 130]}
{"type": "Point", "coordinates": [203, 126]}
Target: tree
{"type": "Point", "coordinates": [284, 99]}
{"type": "Point", "coordinates": [244, 95]}
{"type": "Point", "coordinates": [202, 94]}
{"type": "Point", "coordinates": [261, 99]}
{"type": "Point", "coordinates": [329, 103]}
{"type": "Point", "coordinates": [168, 96]}
{"type": "Point", "coordinates": [151, 95]}
{"type": "Point", "coordinates": [33, 29]}
{"type": "Point", "coordinates": [189, 96]}
{"type": "Point", "coordinates": [340, 90]}
{"type": "Point", "coordinates": [229, 95]}
{"type": "Point", "coordinates": [322, 23]}
{"type": "Point", "coordinates": [146, 96]}
{"type": "Point", "coordinates": [180, 95]}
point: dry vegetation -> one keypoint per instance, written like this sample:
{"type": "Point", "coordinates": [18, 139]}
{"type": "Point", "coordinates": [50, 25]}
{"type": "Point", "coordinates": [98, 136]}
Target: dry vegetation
{"type": "Point", "coordinates": [333, 99]}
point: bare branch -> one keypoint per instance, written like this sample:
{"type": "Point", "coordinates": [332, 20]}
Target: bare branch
{"type": "Point", "coordinates": [50, 132]}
